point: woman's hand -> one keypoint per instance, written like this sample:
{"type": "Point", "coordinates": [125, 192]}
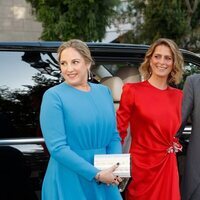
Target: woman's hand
{"type": "Point", "coordinates": [107, 176]}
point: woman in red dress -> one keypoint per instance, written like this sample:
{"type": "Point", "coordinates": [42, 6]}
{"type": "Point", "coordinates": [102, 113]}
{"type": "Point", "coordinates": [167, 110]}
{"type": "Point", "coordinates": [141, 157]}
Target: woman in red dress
{"type": "Point", "coordinates": [152, 109]}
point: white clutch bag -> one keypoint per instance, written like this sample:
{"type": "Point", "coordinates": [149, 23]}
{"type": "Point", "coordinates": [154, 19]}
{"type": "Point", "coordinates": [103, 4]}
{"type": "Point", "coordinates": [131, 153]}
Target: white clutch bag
{"type": "Point", "coordinates": [104, 161]}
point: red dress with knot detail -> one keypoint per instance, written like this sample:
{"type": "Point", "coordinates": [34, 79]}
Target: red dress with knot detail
{"type": "Point", "coordinates": [154, 117]}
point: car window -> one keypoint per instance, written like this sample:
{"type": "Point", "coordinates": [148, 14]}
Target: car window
{"type": "Point", "coordinates": [24, 76]}
{"type": "Point", "coordinates": [189, 69]}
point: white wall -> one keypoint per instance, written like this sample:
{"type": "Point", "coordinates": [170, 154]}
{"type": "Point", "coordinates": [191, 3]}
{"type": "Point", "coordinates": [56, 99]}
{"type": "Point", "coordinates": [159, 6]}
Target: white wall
{"type": "Point", "coordinates": [113, 32]}
{"type": "Point", "coordinates": [17, 22]}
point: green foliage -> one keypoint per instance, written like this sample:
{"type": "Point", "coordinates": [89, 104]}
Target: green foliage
{"type": "Point", "coordinates": [164, 19]}
{"type": "Point", "coordinates": [175, 19]}
{"type": "Point", "coordinates": [191, 40]}
{"type": "Point", "coordinates": [161, 19]}
{"type": "Point", "coordinates": [83, 19]}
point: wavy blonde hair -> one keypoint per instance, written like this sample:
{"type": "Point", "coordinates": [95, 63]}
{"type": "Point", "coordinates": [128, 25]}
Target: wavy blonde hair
{"type": "Point", "coordinates": [176, 74]}
{"type": "Point", "coordinates": [79, 46]}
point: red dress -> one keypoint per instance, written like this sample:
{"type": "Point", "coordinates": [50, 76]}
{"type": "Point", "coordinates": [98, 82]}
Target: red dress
{"type": "Point", "coordinates": [154, 116]}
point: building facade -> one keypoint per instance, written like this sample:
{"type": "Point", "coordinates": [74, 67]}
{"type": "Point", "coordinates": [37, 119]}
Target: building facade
{"type": "Point", "coordinates": [17, 22]}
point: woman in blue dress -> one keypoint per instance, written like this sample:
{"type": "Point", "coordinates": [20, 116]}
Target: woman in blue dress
{"type": "Point", "coordinates": [78, 121]}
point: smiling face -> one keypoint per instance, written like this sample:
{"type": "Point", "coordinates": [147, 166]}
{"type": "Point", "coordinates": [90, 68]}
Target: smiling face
{"type": "Point", "coordinates": [161, 62]}
{"type": "Point", "coordinates": [74, 68]}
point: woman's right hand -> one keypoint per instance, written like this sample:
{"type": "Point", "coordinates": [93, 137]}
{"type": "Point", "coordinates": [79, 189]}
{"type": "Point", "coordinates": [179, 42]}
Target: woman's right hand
{"type": "Point", "coordinates": [107, 176]}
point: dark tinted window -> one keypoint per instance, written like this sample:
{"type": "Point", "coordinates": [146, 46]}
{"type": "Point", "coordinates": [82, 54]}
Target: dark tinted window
{"type": "Point", "coordinates": [24, 76]}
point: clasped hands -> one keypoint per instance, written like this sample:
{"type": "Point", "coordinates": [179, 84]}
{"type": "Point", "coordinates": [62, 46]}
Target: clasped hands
{"type": "Point", "coordinates": [106, 176]}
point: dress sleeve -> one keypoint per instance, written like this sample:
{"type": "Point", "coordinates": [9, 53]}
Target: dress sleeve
{"type": "Point", "coordinates": [114, 146]}
{"type": "Point", "coordinates": [124, 111]}
{"type": "Point", "coordinates": [187, 104]}
{"type": "Point", "coordinates": [53, 129]}
{"type": "Point", "coordinates": [115, 143]}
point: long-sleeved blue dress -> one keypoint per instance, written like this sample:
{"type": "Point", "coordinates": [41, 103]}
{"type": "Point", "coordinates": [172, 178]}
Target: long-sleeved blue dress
{"type": "Point", "coordinates": [76, 125]}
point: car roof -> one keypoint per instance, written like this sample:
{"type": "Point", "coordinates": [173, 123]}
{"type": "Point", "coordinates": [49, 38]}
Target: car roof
{"type": "Point", "coordinates": [100, 51]}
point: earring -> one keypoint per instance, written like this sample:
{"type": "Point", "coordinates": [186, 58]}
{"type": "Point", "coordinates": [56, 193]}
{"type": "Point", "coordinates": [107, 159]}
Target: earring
{"type": "Point", "coordinates": [89, 75]}
{"type": "Point", "coordinates": [150, 72]}
{"type": "Point", "coordinates": [172, 74]}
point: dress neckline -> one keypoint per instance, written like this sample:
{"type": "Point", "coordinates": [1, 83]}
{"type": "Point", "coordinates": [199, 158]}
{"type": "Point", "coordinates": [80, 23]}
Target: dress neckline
{"type": "Point", "coordinates": [158, 89]}
{"type": "Point", "coordinates": [78, 90]}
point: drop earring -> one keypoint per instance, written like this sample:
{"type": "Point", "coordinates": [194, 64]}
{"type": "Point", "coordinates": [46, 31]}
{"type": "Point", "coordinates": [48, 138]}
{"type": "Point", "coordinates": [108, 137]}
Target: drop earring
{"type": "Point", "coordinates": [89, 75]}
{"type": "Point", "coordinates": [172, 74]}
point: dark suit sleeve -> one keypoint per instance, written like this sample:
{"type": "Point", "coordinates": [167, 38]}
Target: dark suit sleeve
{"type": "Point", "coordinates": [187, 104]}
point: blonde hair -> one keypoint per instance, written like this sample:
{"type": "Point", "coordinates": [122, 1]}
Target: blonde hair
{"type": "Point", "coordinates": [175, 75]}
{"type": "Point", "coordinates": [79, 46]}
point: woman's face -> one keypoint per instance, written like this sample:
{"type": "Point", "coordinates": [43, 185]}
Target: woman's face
{"type": "Point", "coordinates": [74, 69]}
{"type": "Point", "coordinates": [161, 62]}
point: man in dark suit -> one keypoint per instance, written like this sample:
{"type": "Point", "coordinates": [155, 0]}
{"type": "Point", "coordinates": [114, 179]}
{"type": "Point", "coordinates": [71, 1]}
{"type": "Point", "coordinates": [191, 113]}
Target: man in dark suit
{"type": "Point", "coordinates": [191, 108]}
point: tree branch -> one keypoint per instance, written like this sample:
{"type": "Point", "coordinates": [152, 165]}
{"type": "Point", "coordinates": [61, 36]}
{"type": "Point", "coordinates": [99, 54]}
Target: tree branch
{"type": "Point", "coordinates": [188, 5]}
{"type": "Point", "coordinates": [195, 5]}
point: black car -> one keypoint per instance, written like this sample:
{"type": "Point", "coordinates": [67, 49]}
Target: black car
{"type": "Point", "coordinates": [27, 69]}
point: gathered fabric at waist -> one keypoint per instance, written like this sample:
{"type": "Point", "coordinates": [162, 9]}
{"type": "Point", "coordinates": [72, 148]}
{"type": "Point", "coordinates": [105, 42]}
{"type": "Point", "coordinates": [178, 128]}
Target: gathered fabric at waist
{"type": "Point", "coordinates": [162, 147]}
{"type": "Point", "coordinates": [88, 154]}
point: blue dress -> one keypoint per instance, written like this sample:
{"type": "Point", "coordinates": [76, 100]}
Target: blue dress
{"type": "Point", "coordinates": [76, 125]}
